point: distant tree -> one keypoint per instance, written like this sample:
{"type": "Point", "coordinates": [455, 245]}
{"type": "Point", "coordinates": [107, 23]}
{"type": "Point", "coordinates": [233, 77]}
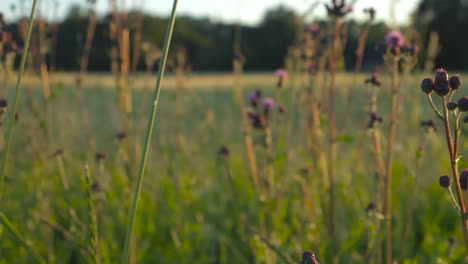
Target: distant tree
{"type": "Point", "coordinates": [450, 20]}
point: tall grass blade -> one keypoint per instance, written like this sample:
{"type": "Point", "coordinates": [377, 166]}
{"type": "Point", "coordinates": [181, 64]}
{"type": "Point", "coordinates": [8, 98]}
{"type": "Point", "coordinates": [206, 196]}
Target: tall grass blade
{"type": "Point", "coordinates": [19, 239]}
{"type": "Point", "coordinates": [17, 93]}
{"type": "Point", "coordinates": [149, 132]}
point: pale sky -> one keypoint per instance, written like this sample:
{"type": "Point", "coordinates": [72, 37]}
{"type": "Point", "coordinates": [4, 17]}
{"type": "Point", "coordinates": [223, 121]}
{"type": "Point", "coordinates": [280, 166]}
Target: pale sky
{"type": "Point", "coordinates": [247, 11]}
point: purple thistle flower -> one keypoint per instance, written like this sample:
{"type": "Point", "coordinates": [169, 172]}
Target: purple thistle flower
{"type": "Point", "coordinates": [268, 104]}
{"type": "Point", "coordinates": [253, 98]}
{"type": "Point", "coordinates": [394, 39]}
{"type": "Point", "coordinates": [313, 28]}
{"type": "Point", "coordinates": [441, 82]}
{"type": "Point", "coordinates": [281, 73]}
{"type": "Point", "coordinates": [254, 120]}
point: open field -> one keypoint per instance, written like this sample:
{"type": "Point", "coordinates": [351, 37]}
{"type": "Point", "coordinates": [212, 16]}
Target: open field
{"type": "Point", "coordinates": [200, 206]}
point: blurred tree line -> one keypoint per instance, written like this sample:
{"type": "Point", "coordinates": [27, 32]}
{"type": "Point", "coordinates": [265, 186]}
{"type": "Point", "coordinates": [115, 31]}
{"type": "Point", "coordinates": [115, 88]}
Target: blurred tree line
{"type": "Point", "coordinates": [209, 45]}
{"type": "Point", "coordinates": [449, 18]}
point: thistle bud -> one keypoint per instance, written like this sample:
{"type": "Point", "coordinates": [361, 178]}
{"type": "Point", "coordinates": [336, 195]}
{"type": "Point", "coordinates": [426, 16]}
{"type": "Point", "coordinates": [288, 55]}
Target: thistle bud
{"type": "Point", "coordinates": [427, 85]}
{"type": "Point", "coordinates": [464, 178]}
{"type": "Point", "coordinates": [463, 104]}
{"type": "Point", "coordinates": [441, 82]}
{"type": "Point", "coordinates": [465, 120]}
{"type": "Point", "coordinates": [451, 106]}
{"type": "Point", "coordinates": [455, 82]}
{"type": "Point", "coordinates": [445, 181]}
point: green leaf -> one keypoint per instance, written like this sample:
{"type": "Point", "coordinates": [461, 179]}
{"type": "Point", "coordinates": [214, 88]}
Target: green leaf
{"type": "Point", "coordinates": [19, 239]}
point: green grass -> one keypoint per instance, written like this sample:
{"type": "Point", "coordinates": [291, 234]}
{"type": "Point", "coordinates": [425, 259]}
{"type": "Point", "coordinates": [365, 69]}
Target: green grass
{"type": "Point", "coordinates": [186, 212]}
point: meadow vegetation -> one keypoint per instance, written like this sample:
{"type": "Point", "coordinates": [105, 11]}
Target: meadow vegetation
{"type": "Point", "coordinates": [276, 167]}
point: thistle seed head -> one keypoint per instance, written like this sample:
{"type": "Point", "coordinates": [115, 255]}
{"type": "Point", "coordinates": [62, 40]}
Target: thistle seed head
{"type": "Point", "coordinates": [455, 82]}
{"type": "Point", "coordinates": [445, 181]}
{"type": "Point", "coordinates": [451, 106]}
{"type": "Point", "coordinates": [463, 104]}
{"type": "Point", "coordinates": [427, 85]}
{"type": "Point", "coordinates": [441, 82]}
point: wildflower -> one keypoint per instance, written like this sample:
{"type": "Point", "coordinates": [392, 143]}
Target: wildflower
{"type": "Point", "coordinates": [464, 178]}
{"type": "Point", "coordinates": [465, 120]}
{"type": "Point", "coordinates": [394, 40]}
{"type": "Point", "coordinates": [281, 109]}
{"type": "Point", "coordinates": [455, 82]}
{"type": "Point", "coordinates": [313, 28]}
{"type": "Point", "coordinates": [374, 118]}
{"type": "Point", "coordinates": [282, 75]}
{"type": "Point", "coordinates": [427, 85]}
{"type": "Point", "coordinates": [95, 187]}
{"type": "Point", "coordinates": [373, 80]}
{"type": "Point", "coordinates": [58, 153]}
{"type": "Point", "coordinates": [100, 156]}
{"type": "Point", "coordinates": [370, 207]}
{"type": "Point", "coordinates": [441, 82]}
{"type": "Point", "coordinates": [239, 57]}
{"type": "Point", "coordinates": [268, 104]}
{"type": "Point", "coordinates": [445, 181]}
{"type": "Point", "coordinates": [254, 97]}
{"type": "Point", "coordinates": [3, 105]}
{"type": "Point", "coordinates": [308, 257]}
{"type": "Point", "coordinates": [451, 106]}
{"type": "Point", "coordinates": [429, 124]}
{"type": "Point", "coordinates": [451, 240]}
{"type": "Point", "coordinates": [223, 151]}
{"type": "Point", "coordinates": [121, 135]}
{"type": "Point", "coordinates": [463, 104]}
{"type": "Point", "coordinates": [371, 11]}
{"type": "Point", "coordinates": [254, 120]}
{"type": "Point", "coordinates": [339, 9]}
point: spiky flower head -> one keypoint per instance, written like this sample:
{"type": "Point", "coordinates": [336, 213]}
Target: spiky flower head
{"type": "Point", "coordinates": [429, 124]}
{"type": "Point", "coordinates": [268, 104]}
{"type": "Point", "coordinates": [313, 28]}
{"type": "Point", "coordinates": [308, 257]}
{"type": "Point", "coordinates": [371, 11]}
{"type": "Point", "coordinates": [281, 73]}
{"type": "Point", "coordinates": [340, 9]}
{"type": "Point", "coordinates": [395, 39]}
{"type": "Point", "coordinates": [464, 178]}
{"type": "Point", "coordinates": [445, 181]}
{"type": "Point", "coordinates": [463, 104]}
{"type": "Point", "coordinates": [451, 106]}
{"type": "Point", "coordinates": [455, 82]}
{"type": "Point", "coordinates": [441, 82]}
{"type": "Point", "coordinates": [373, 80]}
{"type": "Point", "coordinates": [254, 97]}
{"type": "Point", "coordinates": [427, 85]}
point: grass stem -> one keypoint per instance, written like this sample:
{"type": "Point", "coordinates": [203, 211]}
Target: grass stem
{"type": "Point", "coordinates": [17, 94]}
{"type": "Point", "coordinates": [149, 133]}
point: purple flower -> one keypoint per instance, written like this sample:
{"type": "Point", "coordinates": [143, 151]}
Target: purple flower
{"type": "Point", "coordinates": [441, 82]}
{"type": "Point", "coordinates": [268, 104]}
{"type": "Point", "coordinates": [254, 97]}
{"type": "Point", "coordinates": [254, 120]}
{"type": "Point", "coordinates": [395, 39]}
{"type": "Point", "coordinates": [281, 73]}
{"type": "Point", "coordinates": [313, 28]}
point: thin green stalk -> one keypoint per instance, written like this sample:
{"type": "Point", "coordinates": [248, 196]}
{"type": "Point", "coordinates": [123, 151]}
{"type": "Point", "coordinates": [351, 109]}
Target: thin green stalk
{"type": "Point", "coordinates": [17, 93]}
{"type": "Point", "coordinates": [387, 203]}
{"type": "Point", "coordinates": [19, 239]}
{"type": "Point", "coordinates": [149, 132]}
{"type": "Point", "coordinates": [92, 225]}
